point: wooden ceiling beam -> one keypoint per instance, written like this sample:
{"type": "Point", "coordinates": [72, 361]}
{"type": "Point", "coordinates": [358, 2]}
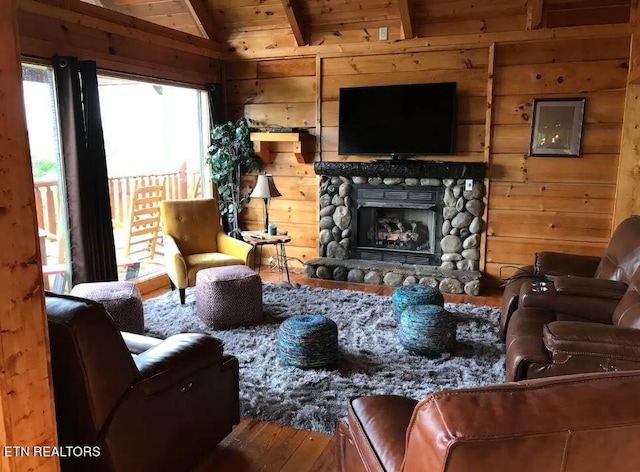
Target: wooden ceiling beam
{"type": "Point", "coordinates": [534, 14]}
{"type": "Point", "coordinates": [202, 18]}
{"type": "Point", "coordinates": [292, 12]}
{"type": "Point", "coordinates": [406, 24]}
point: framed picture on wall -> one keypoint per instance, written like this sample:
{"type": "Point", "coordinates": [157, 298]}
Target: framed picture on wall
{"type": "Point", "coordinates": [556, 127]}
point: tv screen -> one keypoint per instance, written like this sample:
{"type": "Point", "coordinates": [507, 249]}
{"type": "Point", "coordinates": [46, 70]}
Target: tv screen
{"type": "Point", "coordinates": [415, 119]}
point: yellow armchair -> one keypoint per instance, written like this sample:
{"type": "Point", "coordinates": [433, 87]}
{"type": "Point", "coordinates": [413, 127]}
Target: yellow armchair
{"type": "Point", "coordinates": [194, 240]}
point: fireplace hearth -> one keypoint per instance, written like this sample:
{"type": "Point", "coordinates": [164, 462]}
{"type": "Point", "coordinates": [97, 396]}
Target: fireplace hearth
{"type": "Point", "coordinates": [398, 223]}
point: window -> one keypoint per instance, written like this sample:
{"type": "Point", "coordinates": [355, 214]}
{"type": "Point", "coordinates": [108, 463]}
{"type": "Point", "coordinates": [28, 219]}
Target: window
{"type": "Point", "coordinates": [155, 139]}
{"type": "Point", "coordinates": [44, 142]}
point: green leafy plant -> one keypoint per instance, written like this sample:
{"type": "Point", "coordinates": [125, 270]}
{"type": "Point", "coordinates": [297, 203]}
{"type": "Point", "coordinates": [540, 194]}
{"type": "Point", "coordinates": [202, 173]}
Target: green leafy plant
{"type": "Point", "coordinates": [231, 155]}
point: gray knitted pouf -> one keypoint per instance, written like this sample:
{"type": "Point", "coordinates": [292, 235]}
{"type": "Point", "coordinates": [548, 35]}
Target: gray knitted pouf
{"type": "Point", "coordinates": [229, 296]}
{"type": "Point", "coordinates": [414, 294]}
{"type": "Point", "coordinates": [427, 330]}
{"type": "Point", "coordinates": [121, 300]}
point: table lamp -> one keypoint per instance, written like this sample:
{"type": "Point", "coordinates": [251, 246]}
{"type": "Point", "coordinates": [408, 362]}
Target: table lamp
{"type": "Point", "coordinates": [266, 189]}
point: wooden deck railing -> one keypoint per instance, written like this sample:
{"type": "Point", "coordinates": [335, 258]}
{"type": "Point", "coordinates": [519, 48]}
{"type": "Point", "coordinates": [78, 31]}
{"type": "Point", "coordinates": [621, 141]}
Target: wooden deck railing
{"type": "Point", "coordinates": [181, 184]}
{"type": "Point", "coordinates": [47, 205]}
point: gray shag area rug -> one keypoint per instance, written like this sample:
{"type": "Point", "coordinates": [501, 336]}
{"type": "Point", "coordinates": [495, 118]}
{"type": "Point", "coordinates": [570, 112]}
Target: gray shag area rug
{"type": "Point", "coordinates": [371, 361]}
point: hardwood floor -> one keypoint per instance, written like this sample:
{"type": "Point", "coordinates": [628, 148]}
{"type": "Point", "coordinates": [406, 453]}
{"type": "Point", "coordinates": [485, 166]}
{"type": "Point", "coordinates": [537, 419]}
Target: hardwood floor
{"type": "Point", "coordinates": [268, 447]}
{"type": "Point", "coordinates": [259, 446]}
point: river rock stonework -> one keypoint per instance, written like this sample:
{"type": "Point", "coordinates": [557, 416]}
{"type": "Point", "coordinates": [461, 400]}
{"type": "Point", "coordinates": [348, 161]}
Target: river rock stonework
{"type": "Point", "coordinates": [462, 225]}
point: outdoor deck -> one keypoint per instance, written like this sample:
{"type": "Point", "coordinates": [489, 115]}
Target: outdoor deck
{"type": "Point", "coordinates": [135, 218]}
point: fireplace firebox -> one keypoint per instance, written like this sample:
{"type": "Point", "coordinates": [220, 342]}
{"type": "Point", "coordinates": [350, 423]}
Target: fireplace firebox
{"type": "Point", "coordinates": [400, 224]}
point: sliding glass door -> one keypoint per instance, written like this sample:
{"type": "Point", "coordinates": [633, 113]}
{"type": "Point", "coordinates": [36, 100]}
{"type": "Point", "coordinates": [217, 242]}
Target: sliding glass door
{"type": "Point", "coordinates": [44, 142]}
{"type": "Point", "coordinates": [155, 140]}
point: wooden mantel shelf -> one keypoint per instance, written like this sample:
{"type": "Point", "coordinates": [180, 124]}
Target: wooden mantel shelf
{"type": "Point", "coordinates": [301, 143]}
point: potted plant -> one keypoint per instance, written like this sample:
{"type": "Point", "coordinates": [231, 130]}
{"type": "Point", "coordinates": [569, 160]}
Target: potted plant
{"type": "Point", "coordinates": [230, 155]}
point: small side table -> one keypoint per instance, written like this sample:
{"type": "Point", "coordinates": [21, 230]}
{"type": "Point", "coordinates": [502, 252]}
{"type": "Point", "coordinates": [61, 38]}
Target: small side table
{"type": "Point", "coordinates": [259, 239]}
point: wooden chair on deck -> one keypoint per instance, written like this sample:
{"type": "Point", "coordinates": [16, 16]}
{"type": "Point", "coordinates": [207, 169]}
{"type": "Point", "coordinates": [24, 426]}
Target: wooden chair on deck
{"type": "Point", "coordinates": [144, 220]}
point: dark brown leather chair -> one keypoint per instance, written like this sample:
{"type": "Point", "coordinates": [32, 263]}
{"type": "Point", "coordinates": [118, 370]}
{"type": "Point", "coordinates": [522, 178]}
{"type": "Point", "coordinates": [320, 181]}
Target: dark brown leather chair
{"type": "Point", "coordinates": [596, 284]}
{"type": "Point", "coordinates": [160, 410]}
{"type": "Point", "coordinates": [542, 343]}
{"type": "Point", "coordinates": [582, 423]}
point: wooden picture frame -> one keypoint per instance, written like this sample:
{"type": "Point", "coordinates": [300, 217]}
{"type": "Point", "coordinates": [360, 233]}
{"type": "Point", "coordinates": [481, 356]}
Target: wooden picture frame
{"type": "Point", "coordinates": [556, 127]}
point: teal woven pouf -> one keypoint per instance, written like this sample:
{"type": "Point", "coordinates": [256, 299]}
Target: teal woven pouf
{"type": "Point", "coordinates": [427, 330]}
{"type": "Point", "coordinates": [308, 341]}
{"type": "Point", "coordinates": [414, 294]}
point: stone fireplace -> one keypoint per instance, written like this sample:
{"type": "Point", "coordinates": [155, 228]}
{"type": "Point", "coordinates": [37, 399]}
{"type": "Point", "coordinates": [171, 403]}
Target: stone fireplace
{"type": "Point", "coordinates": [401, 222]}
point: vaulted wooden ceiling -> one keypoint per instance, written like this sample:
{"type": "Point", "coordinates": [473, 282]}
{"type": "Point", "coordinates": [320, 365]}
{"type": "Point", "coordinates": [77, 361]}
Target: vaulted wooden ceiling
{"type": "Point", "coordinates": [300, 22]}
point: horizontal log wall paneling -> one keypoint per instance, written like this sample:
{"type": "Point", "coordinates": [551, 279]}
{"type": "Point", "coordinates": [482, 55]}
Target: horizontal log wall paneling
{"type": "Point", "coordinates": [46, 30]}
{"type": "Point", "coordinates": [561, 13]}
{"type": "Point", "coordinates": [258, 29]}
{"type": "Point", "coordinates": [280, 93]}
{"type": "Point", "coordinates": [554, 203]}
{"type": "Point", "coordinates": [467, 67]}
{"type": "Point", "coordinates": [451, 17]}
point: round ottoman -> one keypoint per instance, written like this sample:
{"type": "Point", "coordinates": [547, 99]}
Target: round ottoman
{"type": "Point", "coordinates": [229, 296]}
{"type": "Point", "coordinates": [414, 294]}
{"type": "Point", "coordinates": [121, 300]}
{"type": "Point", "coordinates": [427, 330]}
{"type": "Point", "coordinates": [308, 341]}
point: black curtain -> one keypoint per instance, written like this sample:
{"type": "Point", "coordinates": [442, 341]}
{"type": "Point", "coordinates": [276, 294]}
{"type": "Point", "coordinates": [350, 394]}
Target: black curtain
{"type": "Point", "coordinates": [216, 104]}
{"type": "Point", "coordinates": [93, 255]}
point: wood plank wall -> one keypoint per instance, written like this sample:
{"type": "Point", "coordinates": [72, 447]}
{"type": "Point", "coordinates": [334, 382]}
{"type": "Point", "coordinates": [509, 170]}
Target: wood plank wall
{"type": "Point", "coordinates": [292, 86]}
{"type": "Point", "coordinates": [535, 204]}
{"type": "Point", "coordinates": [280, 93]}
{"type": "Point", "coordinates": [466, 67]}
{"type": "Point", "coordinates": [283, 93]}
{"type": "Point", "coordinates": [551, 203]}
{"type": "Point", "coordinates": [116, 42]}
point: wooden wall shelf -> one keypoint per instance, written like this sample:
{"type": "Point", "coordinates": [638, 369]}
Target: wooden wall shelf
{"type": "Point", "coordinates": [302, 145]}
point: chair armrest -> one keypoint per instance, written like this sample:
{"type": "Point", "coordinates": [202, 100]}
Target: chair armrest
{"type": "Point", "coordinates": [511, 296]}
{"type": "Point", "coordinates": [174, 359]}
{"type": "Point", "coordinates": [137, 344]}
{"type": "Point", "coordinates": [174, 262]}
{"type": "Point", "coordinates": [592, 339]}
{"type": "Point", "coordinates": [593, 309]}
{"type": "Point", "coordinates": [558, 263]}
{"type": "Point", "coordinates": [589, 287]}
{"type": "Point", "coordinates": [235, 247]}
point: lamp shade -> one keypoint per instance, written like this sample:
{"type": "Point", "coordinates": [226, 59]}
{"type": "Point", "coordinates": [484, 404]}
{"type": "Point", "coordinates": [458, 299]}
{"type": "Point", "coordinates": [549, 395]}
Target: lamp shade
{"type": "Point", "coordinates": [265, 187]}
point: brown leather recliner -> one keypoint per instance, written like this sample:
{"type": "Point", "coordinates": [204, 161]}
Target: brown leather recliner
{"type": "Point", "coordinates": [541, 343]}
{"type": "Point", "coordinates": [596, 285]}
{"type": "Point", "coordinates": [582, 423]}
{"type": "Point", "coordinates": [161, 410]}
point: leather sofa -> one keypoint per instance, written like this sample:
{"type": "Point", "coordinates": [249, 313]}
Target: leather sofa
{"type": "Point", "coordinates": [542, 342]}
{"type": "Point", "coordinates": [580, 287]}
{"type": "Point", "coordinates": [194, 240]}
{"type": "Point", "coordinates": [582, 423]}
{"type": "Point", "coordinates": [159, 409]}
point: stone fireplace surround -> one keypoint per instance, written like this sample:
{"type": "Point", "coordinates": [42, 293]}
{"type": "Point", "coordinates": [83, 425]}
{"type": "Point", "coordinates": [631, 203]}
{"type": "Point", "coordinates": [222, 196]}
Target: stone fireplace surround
{"type": "Point", "coordinates": [461, 230]}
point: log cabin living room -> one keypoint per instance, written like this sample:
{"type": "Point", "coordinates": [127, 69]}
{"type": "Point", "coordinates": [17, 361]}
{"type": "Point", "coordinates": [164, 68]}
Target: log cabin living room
{"type": "Point", "coordinates": [435, 270]}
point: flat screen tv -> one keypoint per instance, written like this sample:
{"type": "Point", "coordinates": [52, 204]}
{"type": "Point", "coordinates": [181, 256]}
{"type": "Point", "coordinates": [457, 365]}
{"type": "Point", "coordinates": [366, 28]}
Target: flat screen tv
{"type": "Point", "coordinates": [416, 119]}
